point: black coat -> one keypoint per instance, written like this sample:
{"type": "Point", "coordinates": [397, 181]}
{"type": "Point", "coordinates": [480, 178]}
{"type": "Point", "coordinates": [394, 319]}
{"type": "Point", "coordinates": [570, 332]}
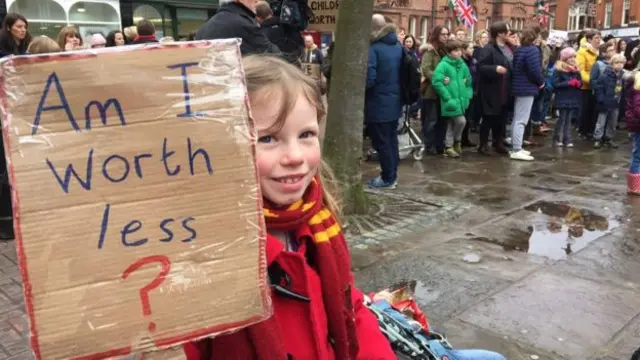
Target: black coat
{"type": "Point", "coordinates": [286, 38]}
{"type": "Point", "coordinates": [494, 89]}
{"type": "Point", "coordinates": [234, 20]}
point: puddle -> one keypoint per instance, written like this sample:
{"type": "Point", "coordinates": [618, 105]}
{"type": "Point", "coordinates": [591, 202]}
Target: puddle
{"type": "Point", "coordinates": [557, 231]}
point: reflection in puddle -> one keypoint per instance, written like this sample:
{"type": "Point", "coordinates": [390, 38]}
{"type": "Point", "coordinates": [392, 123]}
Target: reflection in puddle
{"type": "Point", "coordinates": [562, 229]}
{"type": "Point", "coordinates": [557, 231]}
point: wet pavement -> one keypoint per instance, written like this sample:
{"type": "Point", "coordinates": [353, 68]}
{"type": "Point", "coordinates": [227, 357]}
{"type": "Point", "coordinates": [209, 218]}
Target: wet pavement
{"type": "Point", "coordinates": [537, 260]}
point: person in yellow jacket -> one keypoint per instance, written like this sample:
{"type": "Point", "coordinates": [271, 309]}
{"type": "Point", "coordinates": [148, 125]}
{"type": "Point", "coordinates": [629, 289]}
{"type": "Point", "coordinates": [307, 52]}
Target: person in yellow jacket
{"type": "Point", "coordinates": [586, 57]}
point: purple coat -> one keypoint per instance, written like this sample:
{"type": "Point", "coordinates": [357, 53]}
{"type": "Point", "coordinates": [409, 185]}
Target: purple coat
{"type": "Point", "coordinates": [632, 113]}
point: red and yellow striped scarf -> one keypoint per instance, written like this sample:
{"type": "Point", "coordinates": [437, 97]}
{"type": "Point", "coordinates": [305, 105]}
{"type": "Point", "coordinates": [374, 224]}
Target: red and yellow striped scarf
{"type": "Point", "coordinates": [331, 260]}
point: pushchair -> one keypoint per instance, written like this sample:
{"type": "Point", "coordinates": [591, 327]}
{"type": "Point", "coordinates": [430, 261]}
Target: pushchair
{"type": "Point", "coordinates": [405, 325]}
{"type": "Point", "coordinates": [409, 142]}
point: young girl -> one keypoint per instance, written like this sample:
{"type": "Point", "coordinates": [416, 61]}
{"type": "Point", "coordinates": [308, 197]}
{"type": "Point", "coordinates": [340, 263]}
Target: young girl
{"type": "Point", "coordinates": [566, 84]}
{"type": "Point", "coordinates": [632, 91]}
{"type": "Point", "coordinates": [318, 313]}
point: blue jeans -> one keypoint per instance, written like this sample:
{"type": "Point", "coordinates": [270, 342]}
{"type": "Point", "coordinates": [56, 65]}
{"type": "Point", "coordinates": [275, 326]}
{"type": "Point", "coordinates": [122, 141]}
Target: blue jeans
{"type": "Point", "coordinates": [476, 355]}
{"type": "Point", "coordinates": [384, 138]}
{"type": "Point", "coordinates": [634, 168]}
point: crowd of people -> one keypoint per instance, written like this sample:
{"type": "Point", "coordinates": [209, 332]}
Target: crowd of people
{"type": "Point", "coordinates": [318, 312]}
{"type": "Point", "coordinates": [503, 78]}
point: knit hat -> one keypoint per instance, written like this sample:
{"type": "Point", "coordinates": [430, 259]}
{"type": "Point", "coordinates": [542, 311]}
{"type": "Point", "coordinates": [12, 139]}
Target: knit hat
{"type": "Point", "coordinates": [567, 53]}
{"type": "Point", "coordinates": [97, 40]}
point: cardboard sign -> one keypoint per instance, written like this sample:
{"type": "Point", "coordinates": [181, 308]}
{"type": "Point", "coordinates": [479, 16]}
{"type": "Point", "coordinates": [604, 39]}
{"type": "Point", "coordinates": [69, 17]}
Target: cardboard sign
{"type": "Point", "coordinates": [138, 214]}
{"type": "Point", "coordinates": [312, 69]}
{"type": "Point", "coordinates": [325, 15]}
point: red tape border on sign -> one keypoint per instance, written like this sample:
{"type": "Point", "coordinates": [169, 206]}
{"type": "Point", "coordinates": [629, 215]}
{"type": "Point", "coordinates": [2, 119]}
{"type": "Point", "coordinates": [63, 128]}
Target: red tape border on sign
{"type": "Point", "coordinates": [22, 258]}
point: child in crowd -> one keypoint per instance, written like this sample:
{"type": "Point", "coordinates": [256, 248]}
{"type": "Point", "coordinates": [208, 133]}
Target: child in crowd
{"type": "Point", "coordinates": [632, 113]}
{"type": "Point", "coordinates": [325, 318]}
{"type": "Point", "coordinates": [43, 44]}
{"type": "Point", "coordinates": [455, 94]}
{"type": "Point", "coordinates": [566, 84]}
{"type": "Point", "coordinates": [472, 64]}
{"type": "Point", "coordinates": [608, 92]}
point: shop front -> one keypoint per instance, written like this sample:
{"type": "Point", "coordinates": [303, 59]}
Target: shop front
{"type": "Point", "coordinates": [177, 19]}
{"type": "Point", "coordinates": [47, 17]}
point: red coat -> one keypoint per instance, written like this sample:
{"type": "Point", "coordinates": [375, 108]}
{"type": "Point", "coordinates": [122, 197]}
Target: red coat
{"type": "Point", "coordinates": [633, 105]}
{"type": "Point", "coordinates": [303, 325]}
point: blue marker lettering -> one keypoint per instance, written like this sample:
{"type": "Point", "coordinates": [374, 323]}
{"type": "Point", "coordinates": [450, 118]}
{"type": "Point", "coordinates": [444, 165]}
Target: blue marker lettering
{"type": "Point", "coordinates": [165, 157]}
{"type": "Point", "coordinates": [125, 173]}
{"type": "Point", "coordinates": [102, 111]}
{"type": "Point", "coordinates": [185, 225]}
{"type": "Point", "coordinates": [192, 156]}
{"type": "Point", "coordinates": [130, 228]}
{"type": "Point", "coordinates": [185, 85]}
{"type": "Point", "coordinates": [163, 226]}
{"type": "Point", "coordinates": [103, 225]}
{"type": "Point", "coordinates": [64, 184]}
{"type": "Point", "coordinates": [136, 161]}
{"type": "Point", "coordinates": [64, 104]}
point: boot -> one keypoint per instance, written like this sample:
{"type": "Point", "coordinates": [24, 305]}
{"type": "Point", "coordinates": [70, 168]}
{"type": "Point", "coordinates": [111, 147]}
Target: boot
{"type": "Point", "coordinates": [633, 184]}
{"type": "Point", "coordinates": [457, 146]}
{"type": "Point", "coordinates": [484, 149]}
{"type": "Point", "coordinates": [501, 149]}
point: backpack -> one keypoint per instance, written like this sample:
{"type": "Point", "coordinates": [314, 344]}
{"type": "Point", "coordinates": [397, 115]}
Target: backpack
{"type": "Point", "coordinates": [410, 78]}
{"type": "Point", "coordinates": [295, 13]}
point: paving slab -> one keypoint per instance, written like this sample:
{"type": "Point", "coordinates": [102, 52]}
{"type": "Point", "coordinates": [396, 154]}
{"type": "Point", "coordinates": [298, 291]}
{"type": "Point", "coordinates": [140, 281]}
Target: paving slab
{"type": "Point", "coordinates": [443, 289]}
{"type": "Point", "coordinates": [567, 315]}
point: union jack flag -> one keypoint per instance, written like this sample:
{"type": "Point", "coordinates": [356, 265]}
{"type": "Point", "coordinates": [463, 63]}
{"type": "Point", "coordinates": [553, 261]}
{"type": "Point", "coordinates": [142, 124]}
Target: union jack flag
{"type": "Point", "coordinates": [464, 12]}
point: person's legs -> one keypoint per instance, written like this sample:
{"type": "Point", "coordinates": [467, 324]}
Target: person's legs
{"type": "Point", "coordinates": [522, 110]}
{"type": "Point", "coordinates": [566, 132]}
{"type": "Point", "coordinates": [558, 130]}
{"type": "Point", "coordinates": [633, 176]}
{"type": "Point", "coordinates": [473, 354]}
{"type": "Point", "coordinates": [429, 118]}
{"type": "Point", "coordinates": [459, 123]}
{"type": "Point", "coordinates": [441, 129]}
{"type": "Point", "coordinates": [584, 111]}
{"type": "Point", "coordinates": [395, 146]}
{"type": "Point", "coordinates": [380, 139]}
{"type": "Point", "coordinates": [610, 127]}
{"type": "Point", "coordinates": [448, 143]}
{"type": "Point", "coordinates": [600, 123]}
{"type": "Point", "coordinates": [498, 125]}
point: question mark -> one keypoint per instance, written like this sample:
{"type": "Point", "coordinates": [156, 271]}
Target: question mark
{"type": "Point", "coordinates": [144, 292]}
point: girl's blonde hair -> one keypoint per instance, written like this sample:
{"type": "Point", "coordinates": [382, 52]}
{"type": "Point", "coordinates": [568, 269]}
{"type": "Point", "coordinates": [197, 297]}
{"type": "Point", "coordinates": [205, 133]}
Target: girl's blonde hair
{"type": "Point", "coordinates": [43, 44]}
{"type": "Point", "coordinates": [618, 58]}
{"type": "Point", "coordinates": [479, 36]}
{"type": "Point", "coordinates": [65, 32]}
{"type": "Point", "coordinates": [267, 76]}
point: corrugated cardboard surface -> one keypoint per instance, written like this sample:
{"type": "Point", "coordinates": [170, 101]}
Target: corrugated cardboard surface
{"type": "Point", "coordinates": [79, 301]}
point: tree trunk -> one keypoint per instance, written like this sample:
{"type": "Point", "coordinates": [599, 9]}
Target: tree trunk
{"type": "Point", "coordinates": [343, 141]}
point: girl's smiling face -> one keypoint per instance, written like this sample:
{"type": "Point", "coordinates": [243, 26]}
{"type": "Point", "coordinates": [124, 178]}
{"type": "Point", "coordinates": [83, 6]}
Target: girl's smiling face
{"type": "Point", "coordinates": [287, 158]}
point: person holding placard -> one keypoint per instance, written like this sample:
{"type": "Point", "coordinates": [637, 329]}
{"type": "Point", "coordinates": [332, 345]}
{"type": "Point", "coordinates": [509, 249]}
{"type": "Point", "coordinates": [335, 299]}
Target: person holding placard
{"type": "Point", "coordinates": [318, 312]}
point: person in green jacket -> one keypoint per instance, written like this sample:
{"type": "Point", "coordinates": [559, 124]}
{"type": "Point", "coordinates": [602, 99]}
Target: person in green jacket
{"type": "Point", "coordinates": [452, 83]}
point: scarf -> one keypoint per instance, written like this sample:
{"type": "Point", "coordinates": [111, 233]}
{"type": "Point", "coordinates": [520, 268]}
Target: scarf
{"type": "Point", "coordinates": [331, 260]}
{"type": "Point", "coordinates": [145, 38]}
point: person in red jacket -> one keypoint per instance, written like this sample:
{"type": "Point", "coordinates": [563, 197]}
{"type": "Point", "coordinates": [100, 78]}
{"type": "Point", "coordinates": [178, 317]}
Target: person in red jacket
{"type": "Point", "coordinates": [632, 114]}
{"type": "Point", "coordinates": [318, 312]}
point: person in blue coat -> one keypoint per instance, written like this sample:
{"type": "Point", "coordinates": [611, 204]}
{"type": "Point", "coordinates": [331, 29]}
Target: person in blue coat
{"type": "Point", "coordinates": [383, 102]}
{"type": "Point", "coordinates": [566, 84]}
{"type": "Point", "coordinates": [526, 84]}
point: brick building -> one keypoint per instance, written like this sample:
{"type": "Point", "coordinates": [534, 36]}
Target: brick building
{"type": "Point", "coordinates": [617, 17]}
{"type": "Point", "coordinates": [418, 17]}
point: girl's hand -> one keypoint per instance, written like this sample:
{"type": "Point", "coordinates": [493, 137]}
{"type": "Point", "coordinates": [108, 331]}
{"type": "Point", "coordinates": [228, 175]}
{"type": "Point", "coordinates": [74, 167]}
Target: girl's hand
{"type": "Point", "coordinates": [68, 46]}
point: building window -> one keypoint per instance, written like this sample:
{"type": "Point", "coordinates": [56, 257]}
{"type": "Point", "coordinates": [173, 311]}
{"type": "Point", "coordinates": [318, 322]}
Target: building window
{"type": "Point", "coordinates": [577, 16]}
{"type": "Point", "coordinates": [412, 25]}
{"type": "Point", "coordinates": [46, 17]}
{"type": "Point", "coordinates": [608, 9]}
{"type": "Point", "coordinates": [151, 14]}
{"type": "Point", "coordinates": [424, 26]}
{"type": "Point", "coordinates": [626, 7]}
{"type": "Point", "coordinates": [488, 23]}
{"type": "Point", "coordinates": [447, 24]}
